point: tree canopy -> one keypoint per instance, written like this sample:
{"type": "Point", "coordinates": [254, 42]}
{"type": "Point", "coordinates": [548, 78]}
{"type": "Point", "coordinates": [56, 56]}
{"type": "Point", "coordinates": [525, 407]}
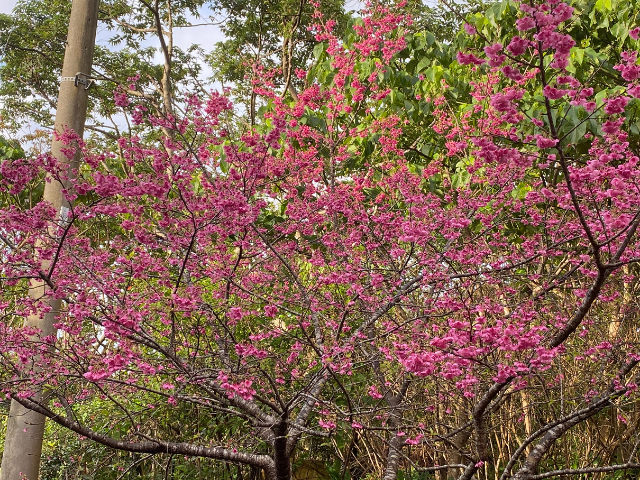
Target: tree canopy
{"type": "Point", "coordinates": [416, 257]}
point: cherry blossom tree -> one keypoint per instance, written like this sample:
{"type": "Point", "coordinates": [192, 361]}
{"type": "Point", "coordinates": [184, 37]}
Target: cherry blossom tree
{"type": "Point", "coordinates": [296, 286]}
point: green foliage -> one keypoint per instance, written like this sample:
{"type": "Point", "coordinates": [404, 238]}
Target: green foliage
{"type": "Point", "coordinates": [440, 19]}
{"type": "Point", "coordinates": [32, 43]}
{"type": "Point", "coordinates": [272, 35]}
{"type": "Point", "coordinates": [10, 149]}
{"type": "Point", "coordinates": [31, 51]}
{"type": "Point", "coordinates": [68, 457]}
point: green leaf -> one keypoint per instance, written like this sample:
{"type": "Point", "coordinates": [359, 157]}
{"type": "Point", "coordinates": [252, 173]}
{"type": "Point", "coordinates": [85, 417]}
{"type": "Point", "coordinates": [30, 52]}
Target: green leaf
{"type": "Point", "coordinates": [369, 147]}
{"type": "Point", "coordinates": [620, 31]}
{"type": "Point", "coordinates": [430, 74]}
{"type": "Point", "coordinates": [224, 165]}
{"type": "Point", "coordinates": [415, 169]}
{"type": "Point", "coordinates": [578, 133]}
{"type": "Point", "coordinates": [408, 106]}
{"type": "Point", "coordinates": [460, 179]}
{"type": "Point", "coordinates": [491, 17]}
{"type": "Point", "coordinates": [422, 64]}
{"type": "Point", "coordinates": [591, 53]}
{"type": "Point", "coordinates": [318, 50]}
{"type": "Point", "coordinates": [578, 54]}
{"type": "Point", "coordinates": [497, 8]}
{"type": "Point", "coordinates": [430, 38]}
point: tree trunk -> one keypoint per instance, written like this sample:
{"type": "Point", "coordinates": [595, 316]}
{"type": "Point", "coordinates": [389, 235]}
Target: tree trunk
{"type": "Point", "coordinates": [282, 461]}
{"type": "Point", "coordinates": [25, 428]}
{"type": "Point", "coordinates": [456, 457]}
{"type": "Point", "coordinates": [393, 458]}
{"type": "Point", "coordinates": [23, 443]}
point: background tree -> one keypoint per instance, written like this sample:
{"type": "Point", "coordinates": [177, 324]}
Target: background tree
{"type": "Point", "coordinates": [274, 36]}
{"type": "Point", "coordinates": [32, 46]}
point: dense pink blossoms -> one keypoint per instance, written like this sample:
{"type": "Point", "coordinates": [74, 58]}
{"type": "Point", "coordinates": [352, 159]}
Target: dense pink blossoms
{"type": "Point", "coordinates": [247, 274]}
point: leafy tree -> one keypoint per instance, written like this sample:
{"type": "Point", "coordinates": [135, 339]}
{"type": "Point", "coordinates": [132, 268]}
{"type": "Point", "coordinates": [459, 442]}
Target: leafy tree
{"type": "Point", "coordinates": [443, 20]}
{"type": "Point", "coordinates": [32, 48]}
{"type": "Point", "coordinates": [271, 36]}
{"type": "Point", "coordinates": [432, 260]}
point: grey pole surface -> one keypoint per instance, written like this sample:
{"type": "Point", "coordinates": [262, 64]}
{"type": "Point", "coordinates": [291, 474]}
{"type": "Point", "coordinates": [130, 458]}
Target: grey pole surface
{"type": "Point", "coordinates": [25, 428]}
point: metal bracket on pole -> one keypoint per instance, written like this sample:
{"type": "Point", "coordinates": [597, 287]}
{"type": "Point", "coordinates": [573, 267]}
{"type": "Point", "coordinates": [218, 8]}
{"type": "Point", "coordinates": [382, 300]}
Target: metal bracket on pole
{"type": "Point", "coordinates": [79, 79]}
{"type": "Point", "coordinates": [83, 79]}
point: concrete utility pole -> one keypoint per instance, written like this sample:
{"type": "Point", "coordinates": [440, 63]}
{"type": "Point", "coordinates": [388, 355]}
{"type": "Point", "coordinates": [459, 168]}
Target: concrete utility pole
{"type": "Point", "coordinates": [25, 428]}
